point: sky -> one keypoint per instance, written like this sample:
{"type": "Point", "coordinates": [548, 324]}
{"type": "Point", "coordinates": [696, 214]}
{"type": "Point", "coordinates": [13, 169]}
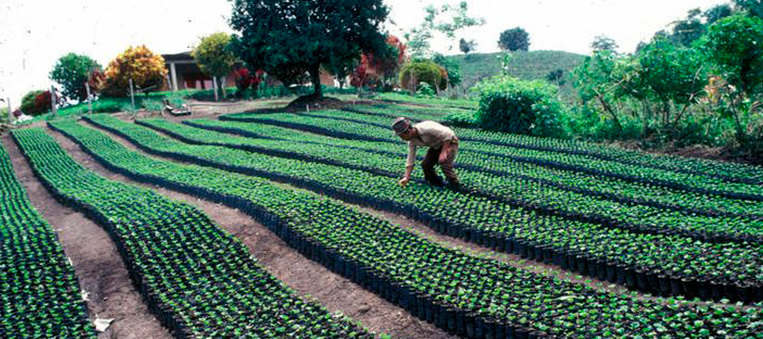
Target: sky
{"type": "Point", "coordinates": [35, 33]}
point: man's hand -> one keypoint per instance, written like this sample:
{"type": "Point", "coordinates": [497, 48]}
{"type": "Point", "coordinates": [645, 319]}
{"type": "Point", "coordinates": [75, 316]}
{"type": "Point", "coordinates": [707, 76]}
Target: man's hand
{"type": "Point", "coordinates": [404, 181]}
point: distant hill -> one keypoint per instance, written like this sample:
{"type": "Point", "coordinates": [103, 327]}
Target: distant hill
{"type": "Point", "coordinates": [524, 65]}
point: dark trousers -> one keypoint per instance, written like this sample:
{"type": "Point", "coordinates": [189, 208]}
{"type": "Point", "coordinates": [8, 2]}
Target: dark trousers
{"type": "Point", "coordinates": [432, 159]}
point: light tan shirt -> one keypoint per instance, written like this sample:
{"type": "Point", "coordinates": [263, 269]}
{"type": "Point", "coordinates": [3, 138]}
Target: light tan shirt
{"type": "Point", "coordinates": [431, 134]}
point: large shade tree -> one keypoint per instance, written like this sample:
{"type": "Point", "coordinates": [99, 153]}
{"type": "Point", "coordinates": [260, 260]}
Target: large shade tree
{"type": "Point", "coordinates": [71, 72]}
{"type": "Point", "coordinates": [287, 38]}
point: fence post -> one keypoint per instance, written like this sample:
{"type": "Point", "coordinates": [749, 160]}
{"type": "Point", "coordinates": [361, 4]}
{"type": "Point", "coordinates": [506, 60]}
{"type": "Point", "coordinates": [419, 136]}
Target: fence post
{"type": "Point", "coordinates": [53, 101]}
{"type": "Point", "coordinates": [132, 97]}
{"type": "Point", "coordinates": [10, 112]}
{"type": "Point", "coordinates": [214, 86]}
{"type": "Point", "coordinates": [89, 101]}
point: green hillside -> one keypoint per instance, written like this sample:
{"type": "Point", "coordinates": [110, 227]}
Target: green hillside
{"type": "Point", "coordinates": [524, 65]}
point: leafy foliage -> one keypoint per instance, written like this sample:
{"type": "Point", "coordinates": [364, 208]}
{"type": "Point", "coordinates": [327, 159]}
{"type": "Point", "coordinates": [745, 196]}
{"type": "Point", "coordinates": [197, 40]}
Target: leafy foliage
{"type": "Point", "coordinates": [379, 71]}
{"type": "Point", "coordinates": [138, 63]}
{"type": "Point", "coordinates": [754, 7]}
{"type": "Point", "coordinates": [451, 67]}
{"type": "Point", "coordinates": [289, 40]}
{"type": "Point", "coordinates": [37, 102]}
{"type": "Point", "coordinates": [447, 20]}
{"type": "Point", "coordinates": [508, 104]}
{"type": "Point", "coordinates": [602, 42]}
{"type": "Point", "coordinates": [213, 55]}
{"type": "Point", "coordinates": [467, 46]}
{"type": "Point", "coordinates": [416, 72]}
{"type": "Point", "coordinates": [514, 39]}
{"type": "Point", "coordinates": [71, 72]}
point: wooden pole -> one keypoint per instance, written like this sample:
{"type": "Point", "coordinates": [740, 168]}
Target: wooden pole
{"type": "Point", "coordinates": [89, 100]}
{"type": "Point", "coordinates": [53, 100]}
{"type": "Point", "coordinates": [132, 96]}
{"type": "Point", "coordinates": [214, 86]}
{"type": "Point", "coordinates": [10, 112]}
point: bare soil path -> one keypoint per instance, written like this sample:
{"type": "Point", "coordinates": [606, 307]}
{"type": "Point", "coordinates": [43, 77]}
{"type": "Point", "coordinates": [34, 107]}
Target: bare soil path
{"type": "Point", "coordinates": [97, 263]}
{"type": "Point", "coordinates": [301, 274]}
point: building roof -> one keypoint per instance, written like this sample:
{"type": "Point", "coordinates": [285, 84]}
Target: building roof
{"type": "Point", "coordinates": [184, 56]}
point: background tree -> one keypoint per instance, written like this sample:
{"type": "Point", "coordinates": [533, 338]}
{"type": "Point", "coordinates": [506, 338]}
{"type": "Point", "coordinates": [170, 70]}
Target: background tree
{"type": "Point", "coordinates": [717, 13]}
{"type": "Point", "coordinates": [289, 40]}
{"type": "Point", "coordinates": [556, 77]}
{"type": "Point", "coordinates": [733, 45]}
{"type": "Point", "coordinates": [416, 72]}
{"type": "Point", "coordinates": [452, 69]}
{"type": "Point", "coordinates": [71, 72]}
{"type": "Point", "coordinates": [514, 39]}
{"type": "Point", "coordinates": [145, 68]}
{"type": "Point", "coordinates": [447, 20]}
{"type": "Point", "coordinates": [688, 30]}
{"type": "Point", "coordinates": [214, 56]}
{"type": "Point", "coordinates": [754, 7]}
{"type": "Point", "coordinates": [467, 46]}
{"type": "Point", "coordinates": [603, 43]}
{"type": "Point", "coordinates": [381, 70]}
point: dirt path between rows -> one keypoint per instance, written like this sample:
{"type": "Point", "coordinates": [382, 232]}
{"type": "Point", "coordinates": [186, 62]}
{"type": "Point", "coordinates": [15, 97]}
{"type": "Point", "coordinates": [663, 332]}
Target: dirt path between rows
{"type": "Point", "coordinates": [97, 263]}
{"type": "Point", "coordinates": [301, 274]}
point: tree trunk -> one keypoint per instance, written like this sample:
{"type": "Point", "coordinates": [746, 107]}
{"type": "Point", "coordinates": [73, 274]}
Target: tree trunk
{"type": "Point", "coordinates": [609, 110]}
{"type": "Point", "coordinates": [315, 75]}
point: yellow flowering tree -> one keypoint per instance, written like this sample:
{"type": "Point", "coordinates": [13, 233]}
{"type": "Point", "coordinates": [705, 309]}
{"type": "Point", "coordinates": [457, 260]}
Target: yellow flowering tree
{"type": "Point", "coordinates": [145, 68]}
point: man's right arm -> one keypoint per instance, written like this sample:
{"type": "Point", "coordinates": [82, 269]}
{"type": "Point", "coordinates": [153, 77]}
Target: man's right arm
{"type": "Point", "coordinates": [410, 161]}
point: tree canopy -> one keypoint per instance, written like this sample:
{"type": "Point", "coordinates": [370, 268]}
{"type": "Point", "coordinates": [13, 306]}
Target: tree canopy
{"type": "Point", "coordinates": [603, 43]}
{"type": "Point", "coordinates": [213, 56]}
{"type": "Point", "coordinates": [447, 19]}
{"type": "Point", "coordinates": [289, 38]}
{"type": "Point", "coordinates": [514, 39]}
{"type": "Point", "coordinates": [467, 46]}
{"type": "Point", "coordinates": [71, 72]}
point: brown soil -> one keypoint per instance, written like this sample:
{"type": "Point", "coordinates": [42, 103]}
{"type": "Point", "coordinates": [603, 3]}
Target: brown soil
{"type": "Point", "coordinates": [301, 274]}
{"type": "Point", "coordinates": [97, 263]}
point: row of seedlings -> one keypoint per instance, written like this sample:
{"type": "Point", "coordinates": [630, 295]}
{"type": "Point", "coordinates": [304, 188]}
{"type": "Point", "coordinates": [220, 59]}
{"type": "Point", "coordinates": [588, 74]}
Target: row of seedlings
{"type": "Point", "coordinates": [602, 187]}
{"type": "Point", "coordinates": [516, 191]}
{"type": "Point", "coordinates": [200, 281]}
{"type": "Point", "coordinates": [39, 292]}
{"type": "Point", "coordinates": [728, 171]}
{"type": "Point", "coordinates": [669, 265]}
{"type": "Point", "coordinates": [470, 296]}
{"type": "Point", "coordinates": [415, 113]}
{"type": "Point", "coordinates": [326, 122]}
{"type": "Point", "coordinates": [494, 142]}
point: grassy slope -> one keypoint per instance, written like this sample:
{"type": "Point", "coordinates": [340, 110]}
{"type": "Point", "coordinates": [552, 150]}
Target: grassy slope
{"type": "Point", "coordinates": [524, 65]}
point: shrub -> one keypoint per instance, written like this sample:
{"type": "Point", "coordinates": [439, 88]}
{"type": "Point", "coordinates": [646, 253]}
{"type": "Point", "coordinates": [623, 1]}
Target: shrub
{"type": "Point", "coordinates": [511, 105]}
{"type": "Point", "coordinates": [145, 68]}
{"type": "Point", "coordinates": [36, 102]}
{"type": "Point", "coordinates": [461, 119]}
{"type": "Point", "coordinates": [425, 90]}
{"type": "Point", "coordinates": [417, 72]}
